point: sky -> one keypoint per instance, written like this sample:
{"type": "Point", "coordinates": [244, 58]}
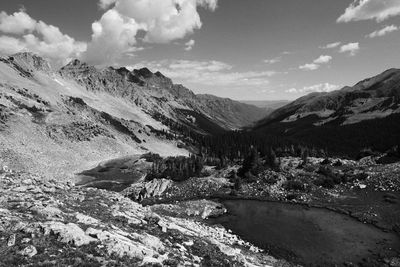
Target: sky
{"type": "Point", "coordinates": [244, 50]}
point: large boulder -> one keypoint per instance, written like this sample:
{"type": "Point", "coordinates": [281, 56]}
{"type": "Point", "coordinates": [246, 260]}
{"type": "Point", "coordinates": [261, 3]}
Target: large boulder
{"type": "Point", "coordinates": [143, 190]}
{"type": "Point", "coordinates": [67, 233]}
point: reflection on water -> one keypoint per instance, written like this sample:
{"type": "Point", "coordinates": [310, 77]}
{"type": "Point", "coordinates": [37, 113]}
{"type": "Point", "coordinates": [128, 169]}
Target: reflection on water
{"type": "Point", "coordinates": [307, 235]}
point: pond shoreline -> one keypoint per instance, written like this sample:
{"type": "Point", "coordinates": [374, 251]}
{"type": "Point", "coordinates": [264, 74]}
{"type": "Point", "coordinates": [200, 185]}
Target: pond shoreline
{"type": "Point", "coordinates": [288, 254]}
{"type": "Point", "coordinates": [220, 198]}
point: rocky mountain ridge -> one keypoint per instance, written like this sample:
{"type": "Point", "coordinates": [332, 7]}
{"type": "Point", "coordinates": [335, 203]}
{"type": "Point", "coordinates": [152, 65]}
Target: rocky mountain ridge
{"type": "Point", "coordinates": [138, 84]}
{"type": "Point", "coordinates": [375, 97]}
{"type": "Point", "coordinates": [71, 119]}
{"type": "Point", "coordinates": [343, 121]}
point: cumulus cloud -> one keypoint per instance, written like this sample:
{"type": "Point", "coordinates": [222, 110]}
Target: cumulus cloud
{"type": "Point", "coordinates": [322, 87]}
{"type": "Point", "coordinates": [351, 48]}
{"type": "Point", "coordinates": [112, 36]}
{"type": "Point", "coordinates": [16, 23]}
{"type": "Point", "coordinates": [10, 45]}
{"type": "Point", "coordinates": [323, 59]}
{"type": "Point", "coordinates": [189, 45]}
{"type": "Point", "coordinates": [316, 64]}
{"type": "Point", "coordinates": [208, 73]}
{"type": "Point", "coordinates": [331, 45]}
{"type": "Point", "coordinates": [161, 21]}
{"type": "Point", "coordinates": [385, 30]}
{"type": "Point", "coordinates": [36, 36]}
{"type": "Point", "coordinates": [272, 60]}
{"type": "Point", "coordinates": [378, 10]}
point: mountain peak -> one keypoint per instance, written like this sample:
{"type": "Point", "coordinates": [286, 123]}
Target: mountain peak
{"type": "Point", "coordinates": [76, 66]}
{"type": "Point", "coordinates": [30, 62]}
{"type": "Point", "coordinates": [143, 72]}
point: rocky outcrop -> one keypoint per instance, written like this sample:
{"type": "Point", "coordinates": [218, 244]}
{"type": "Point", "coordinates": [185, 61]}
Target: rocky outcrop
{"type": "Point", "coordinates": [28, 62]}
{"type": "Point", "coordinates": [142, 190]}
{"type": "Point", "coordinates": [53, 223]}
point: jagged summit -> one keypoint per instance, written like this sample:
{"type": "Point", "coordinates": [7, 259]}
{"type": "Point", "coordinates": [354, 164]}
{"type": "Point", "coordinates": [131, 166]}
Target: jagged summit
{"type": "Point", "coordinates": [27, 63]}
{"type": "Point", "coordinates": [31, 60]}
{"type": "Point", "coordinates": [143, 72]}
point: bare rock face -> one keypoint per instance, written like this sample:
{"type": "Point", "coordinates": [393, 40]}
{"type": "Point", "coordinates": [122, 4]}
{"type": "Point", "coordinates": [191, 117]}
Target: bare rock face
{"type": "Point", "coordinates": [128, 244]}
{"type": "Point", "coordinates": [30, 62]}
{"type": "Point", "coordinates": [150, 189]}
{"type": "Point", "coordinates": [67, 233]}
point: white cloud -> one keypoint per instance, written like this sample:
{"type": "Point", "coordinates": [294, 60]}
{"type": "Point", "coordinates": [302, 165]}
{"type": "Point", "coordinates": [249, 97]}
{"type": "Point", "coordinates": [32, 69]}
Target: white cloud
{"type": "Point", "coordinates": [189, 45]}
{"type": "Point", "coordinates": [207, 73]}
{"type": "Point", "coordinates": [17, 23]}
{"type": "Point", "coordinates": [10, 45]}
{"type": "Point", "coordinates": [311, 66]}
{"type": "Point", "coordinates": [331, 45]}
{"type": "Point", "coordinates": [38, 37]}
{"type": "Point", "coordinates": [351, 48]}
{"type": "Point", "coordinates": [379, 10]}
{"type": "Point", "coordinates": [161, 21]}
{"type": "Point", "coordinates": [323, 59]}
{"type": "Point", "coordinates": [113, 35]}
{"type": "Point", "coordinates": [385, 30]}
{"type": "Point", "coordinates": [291, 90]}
{"type": "Point", "coordinates": [322, 87]}
{"type": "Point", "coordinates": [272, 60]}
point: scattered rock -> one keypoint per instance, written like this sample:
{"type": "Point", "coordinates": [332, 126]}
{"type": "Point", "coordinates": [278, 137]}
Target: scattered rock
{"type": "Point", "coordinates": [25, 240]}
{"type": "Point", "coordinates": [394, 262]}
{"type": "Point", "coordinates": [29, 251]}
{"type": "Point", "coordinates": [362, 186]}
{"type": "Point", "coordinates": [68, 233]}
{"type": "Point", "coordinates": [86, 219]}
{"type": "Point", "coordinates": [11, 240]}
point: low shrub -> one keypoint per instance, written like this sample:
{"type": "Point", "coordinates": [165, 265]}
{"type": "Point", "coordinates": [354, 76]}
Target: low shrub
{"type": "Point", "coordinates": [294, 185]}
{"type": "Point", "coordinates": [325, 182]}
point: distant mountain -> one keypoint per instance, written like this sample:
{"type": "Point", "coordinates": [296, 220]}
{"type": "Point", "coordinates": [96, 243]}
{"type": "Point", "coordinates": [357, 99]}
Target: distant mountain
{"type": "Point", "coordinates": [56, 122]}
{"type": "Point", "coordinates": [267, 104]}
{"type": "Point", "coordinates": [364, 115]}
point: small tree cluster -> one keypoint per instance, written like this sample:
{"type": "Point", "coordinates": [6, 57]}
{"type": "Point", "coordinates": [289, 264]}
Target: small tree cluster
{"type": "Point", "coordinates": [176, 168]}
{"type": "Point", "coordinates": [253, 164]}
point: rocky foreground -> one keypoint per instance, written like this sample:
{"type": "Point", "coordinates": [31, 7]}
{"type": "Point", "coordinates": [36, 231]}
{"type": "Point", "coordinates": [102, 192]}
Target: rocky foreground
{"type": "Point", "coordinates": [49, 223]}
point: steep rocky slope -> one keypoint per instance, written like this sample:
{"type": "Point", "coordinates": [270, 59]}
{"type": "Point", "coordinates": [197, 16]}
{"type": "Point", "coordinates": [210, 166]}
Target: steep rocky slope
{"type": "Point", "coordinates": [52, 125]}
{"type": "Point", "coordinates": [229, 113]}
{"type": "Point", "coordinates": [346, 120]}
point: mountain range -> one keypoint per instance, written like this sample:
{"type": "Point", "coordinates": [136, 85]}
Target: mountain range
{"type": "Point", "coordinates": [62, 121]}
{"type": "Point", "coordinates": [365, 115]}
